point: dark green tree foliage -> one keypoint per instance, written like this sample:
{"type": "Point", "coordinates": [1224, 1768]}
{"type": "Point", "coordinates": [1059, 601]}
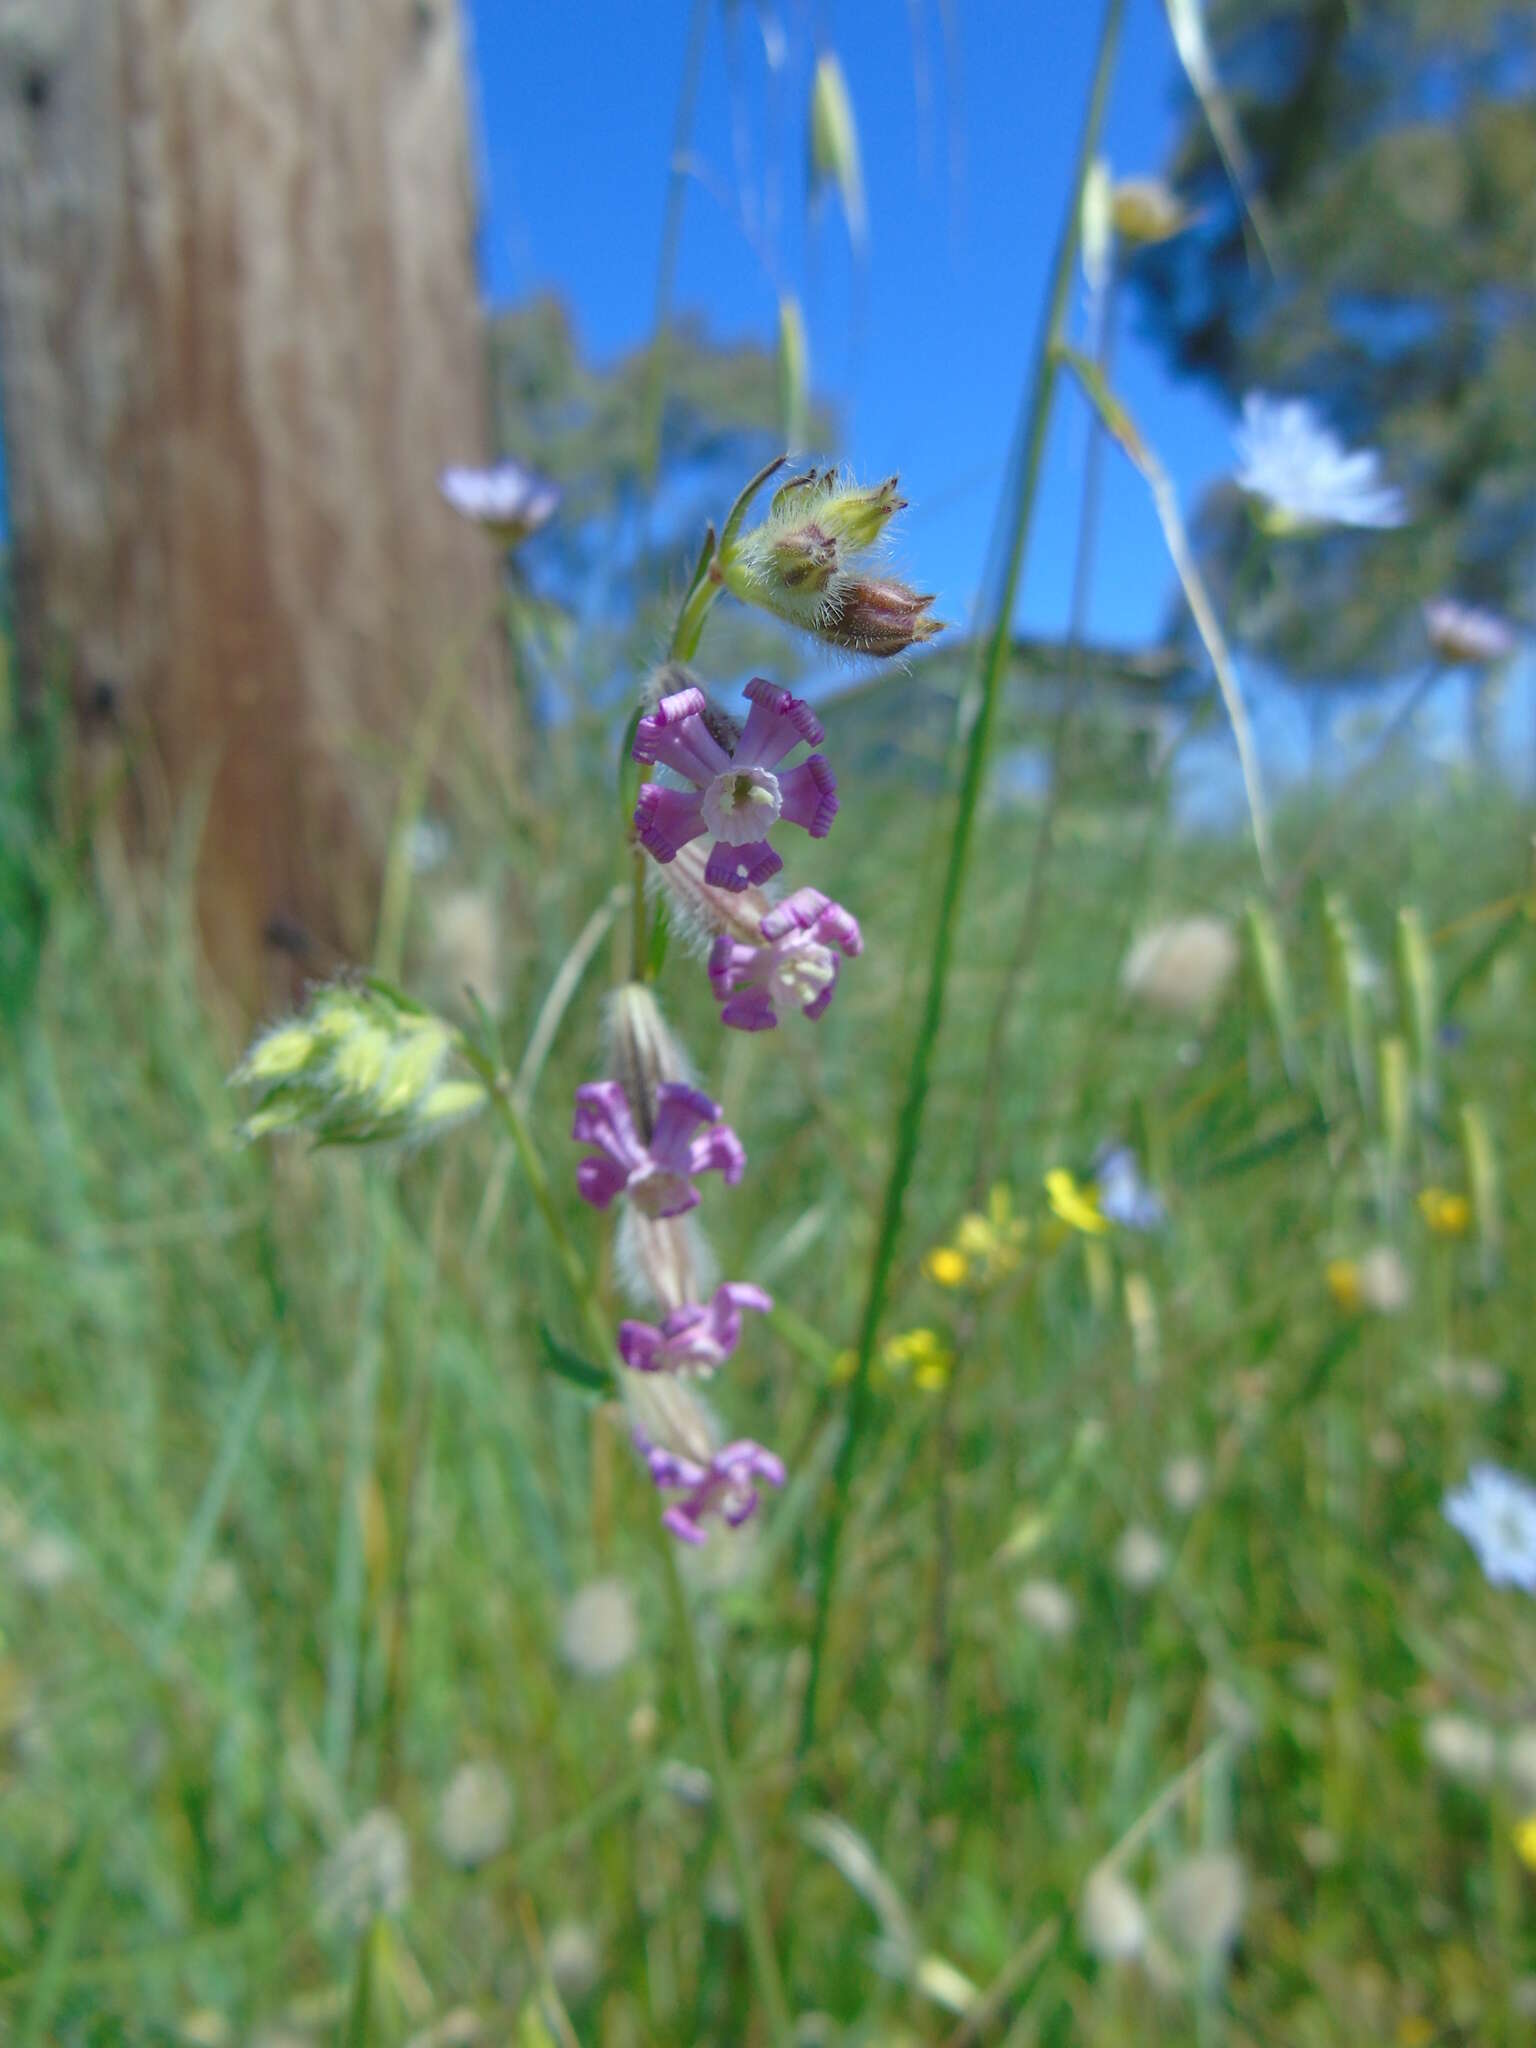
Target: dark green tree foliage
{"type": "Point", "coordinates": [1394, 149]}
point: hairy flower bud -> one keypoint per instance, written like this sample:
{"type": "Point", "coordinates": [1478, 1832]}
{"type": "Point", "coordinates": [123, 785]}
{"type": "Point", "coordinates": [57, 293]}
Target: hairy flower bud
{"type": "Point", "coordinates": [642, 1052]}
{"type": "Point", "coordinates": [881, 617]}
{"type": "Point", "coordinates": [358, 1067]}
{"type": "Point", "coordinates": [807, 563]}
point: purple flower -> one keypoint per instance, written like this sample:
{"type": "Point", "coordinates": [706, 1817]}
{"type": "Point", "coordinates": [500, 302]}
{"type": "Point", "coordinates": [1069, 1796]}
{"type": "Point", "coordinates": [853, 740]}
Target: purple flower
{"type": "Point", "coordinates": [796, 963]}
{"type": "Point", "coordinates": [508, 500]}
{"type": "Point", "coordinates": [692, 1339]}
{"type": "Point", "coordinates": [657, 1176]}
{"type": "Point", "coordinates": [735, 794]}
{"type": "Point", "coordinates": [724, 1487]}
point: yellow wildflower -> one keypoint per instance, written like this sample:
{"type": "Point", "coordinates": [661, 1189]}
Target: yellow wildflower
{"type": "Point", "coordinates": [1342, 1277]}
{"type": "Point", "coordinates": [1447, 1214]}
{"type": "Point", "coordinates": [986, 1249]}
{"type": "Point", "coordinates": [922, 1354]}
{"type": "Point", "coordinates": [1525, 1841]}
{"type": "Point", "coordinates": [1075, 1204]}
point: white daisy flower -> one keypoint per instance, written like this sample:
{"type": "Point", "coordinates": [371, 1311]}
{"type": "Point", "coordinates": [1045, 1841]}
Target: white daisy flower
{"type": "Point", "coordinates": [1304, 475]}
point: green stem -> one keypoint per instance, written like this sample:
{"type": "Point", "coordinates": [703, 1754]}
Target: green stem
{"type": "Point", "coordinates": [702, 1695]}
{"type": "Point", "coordinates": [1063, 762]}
{"type": "Point", "coordinates": [689, 629]}
{"type": "Point", "coordinates": [671, 234]}
{"type": "Point", "coordinates": [705, 1701]}
{"type": "Point", "coordinates": [1040, 392]}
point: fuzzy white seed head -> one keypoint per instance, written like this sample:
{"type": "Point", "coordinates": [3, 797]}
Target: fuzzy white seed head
{"type": "Point", "coordinates": [574, 1958]}
{"type": "Point", "coordinates": [474, 1815]}
{"type": "Point", "coordinates": [1111, 1917]}
{"type": "Point", "coordinates": [1047, 1608]}
{"type": "Point", "coordinates": [1181, 968]}
{"type": "Point", "coordinates": [599, 1631]}
{"type": "Point", "coordinates": [1141, 1559]}
{"type": "Point", "coordinates": [367, 1874]}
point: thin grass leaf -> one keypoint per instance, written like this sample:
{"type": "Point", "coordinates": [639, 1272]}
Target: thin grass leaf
{"type": "Point", "coordinates": [1166, 504]}
{"type": "Point", "coordinates": [205, 1522]}
{"type": "Point", "coordinates": [569, 1365]}
{"type": "Point", "coordinates": [975, 718]}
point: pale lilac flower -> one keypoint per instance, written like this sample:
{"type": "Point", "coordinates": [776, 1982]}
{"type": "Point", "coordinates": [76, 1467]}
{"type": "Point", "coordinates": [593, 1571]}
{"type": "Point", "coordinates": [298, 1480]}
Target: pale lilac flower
{"type": "Point", "coordinates": [1303, 473]}
{"type": "Point", "coordinates": [735, 795]}
{"type": "Point", "coordinates": [509, 501]}
{"type": "Point", "coordinates": [694, 1338]}
{"type": "Point", "coordinates": [724, 1487]}
{"type": "Point", "coordinates": [656, 1175]}
{"type": "Point", "coordinates": [1124, 1197]}
{"type": "Point", "coordinates": [1496, 1512]}
{"type": "Point", "coordinates": [1462, 634]}
{"type": "Point", "coordinates": [796, 963]}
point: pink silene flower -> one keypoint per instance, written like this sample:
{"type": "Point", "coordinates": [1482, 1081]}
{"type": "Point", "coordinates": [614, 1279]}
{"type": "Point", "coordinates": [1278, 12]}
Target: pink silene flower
{"type": "Point", "coordinates": [726, 1486]}
{"type": "Point", "coordinates": [657, 1174]}
{"type": "Point", "coordinates": [1466, 635]}
{"type": "Point", "coordinates": [796, 963]}
{"type": "Point", "coordinates": [693, 1339]}
{"type": "Point", "coordinates": [735, 793]}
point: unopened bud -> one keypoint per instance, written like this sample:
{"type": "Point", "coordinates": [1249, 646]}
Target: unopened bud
{"type": "Point", "coordinates": [881, 617]}
{"type": "Point", "coordinates": [1145, 210]}
{"type": "Point", "coordinates": [642, 1053]}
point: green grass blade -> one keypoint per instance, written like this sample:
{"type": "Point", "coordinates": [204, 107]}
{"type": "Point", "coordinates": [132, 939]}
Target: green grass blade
{"type": "Point", "coordinates": [1040, 392]}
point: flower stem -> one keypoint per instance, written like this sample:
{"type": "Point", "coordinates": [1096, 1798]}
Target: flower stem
{"type": "Point", "coordinates": [702, 1695]}
{"type": "Point", "coordinates": [1040, 392]}
{"type": "Point", "coordinates": [705, 1701]}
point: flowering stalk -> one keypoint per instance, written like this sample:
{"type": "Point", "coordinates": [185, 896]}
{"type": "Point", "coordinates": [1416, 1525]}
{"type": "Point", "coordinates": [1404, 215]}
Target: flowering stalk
{"type": "Point", "coordinates": [703, 1696]}
{"type": "Point", "coordinates": [1040, 393]}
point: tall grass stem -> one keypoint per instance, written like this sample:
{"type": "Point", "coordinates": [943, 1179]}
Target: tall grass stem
{"type": "Point", "coordinates": [1040, 392]}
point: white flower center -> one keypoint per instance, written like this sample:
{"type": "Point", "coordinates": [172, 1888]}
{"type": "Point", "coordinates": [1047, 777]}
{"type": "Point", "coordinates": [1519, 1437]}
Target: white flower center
{"type": "Point", "coordinates": [741, 805]}
{"type": "Point", "coordinates": [801, 970]}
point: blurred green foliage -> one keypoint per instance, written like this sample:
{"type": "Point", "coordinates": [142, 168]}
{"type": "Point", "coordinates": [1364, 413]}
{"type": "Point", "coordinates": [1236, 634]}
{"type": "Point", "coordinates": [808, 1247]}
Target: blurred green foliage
{"type": "Point", "coordinates": [293, 1508]}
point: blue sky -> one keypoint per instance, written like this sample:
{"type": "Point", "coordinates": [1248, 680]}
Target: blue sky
{"type": "Point", "coordinates": [924, 359]}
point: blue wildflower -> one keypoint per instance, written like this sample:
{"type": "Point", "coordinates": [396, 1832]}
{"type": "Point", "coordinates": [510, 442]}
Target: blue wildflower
{"type": "Point", "coordinates": [1123, 1196]}
{"type": "Point", "coordinates": [1496, 1512]}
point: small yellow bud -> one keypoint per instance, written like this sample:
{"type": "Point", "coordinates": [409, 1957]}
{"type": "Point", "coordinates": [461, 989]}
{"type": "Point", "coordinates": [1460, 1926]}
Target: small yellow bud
{"type": "Point", "coordinates": [447, 1103]}
{"type": "Point", "coordinates": [1525, 1841]}
{"type": "Point", "coordinates": [1342, 1278]}
{"type": "Point", "coordinates": [361, 1058]}
{"type": "Point", "coordinates": [946, 1266]}
{"type": "Point", "coordinates": [414, 1060]}
{"type": "Point", "coordinates": [1145, 210]}
{"type": "Point", "coordinates": [1447, 1214]}
{"type": "Point", "coordinates": [283, 1052]}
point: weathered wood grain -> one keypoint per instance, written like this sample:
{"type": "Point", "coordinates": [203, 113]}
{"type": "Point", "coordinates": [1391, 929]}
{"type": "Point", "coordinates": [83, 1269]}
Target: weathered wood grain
{"type": "Point", "coordinates": [239, 335]}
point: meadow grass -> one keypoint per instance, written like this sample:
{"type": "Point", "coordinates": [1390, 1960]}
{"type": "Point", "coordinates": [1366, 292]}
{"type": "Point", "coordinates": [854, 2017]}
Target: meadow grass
{"type": "Point", "coordinates": [293, 1510]}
